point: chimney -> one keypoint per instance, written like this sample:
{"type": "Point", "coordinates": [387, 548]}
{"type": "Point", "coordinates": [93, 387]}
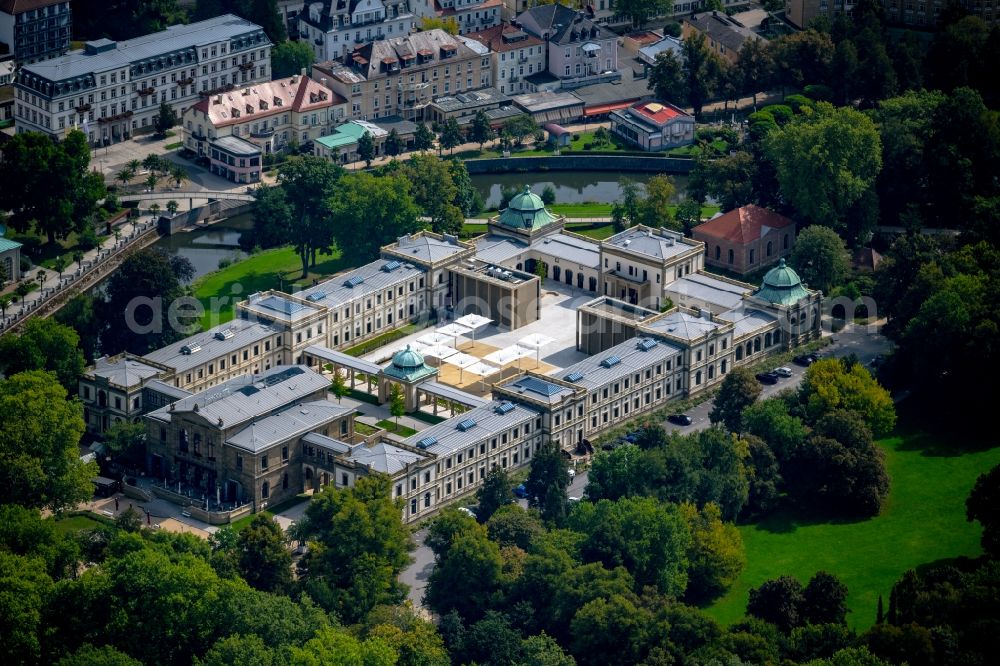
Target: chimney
{"type": "Point", "coordinates": [303, 72]}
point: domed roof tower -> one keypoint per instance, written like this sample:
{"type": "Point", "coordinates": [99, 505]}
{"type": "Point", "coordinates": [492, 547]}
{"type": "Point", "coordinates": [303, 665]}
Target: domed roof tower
{"type": "Point", "coordinates": [781, 286]}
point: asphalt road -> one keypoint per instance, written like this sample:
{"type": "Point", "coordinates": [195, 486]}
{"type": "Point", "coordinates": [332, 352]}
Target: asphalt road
{"type": "Point", "coordinates": [852, 340]}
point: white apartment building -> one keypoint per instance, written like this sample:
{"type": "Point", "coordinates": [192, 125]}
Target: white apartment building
{"type": "Point", "coordinates": [514, 55]}
{"type": "Point", "coordinates": [334, 28]}
{"type": "Point", "coordinates": [111, 89]}
{"type": "Point", "coordinates": [470, 15]}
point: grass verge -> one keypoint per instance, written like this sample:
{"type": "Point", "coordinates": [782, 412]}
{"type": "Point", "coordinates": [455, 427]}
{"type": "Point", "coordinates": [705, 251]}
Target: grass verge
{"type": "Point", "coordinates": [922, 521]}
{"type": "Point", "coordinates": [79, 521]}
{"type": "Point", "coordinates": [401, 430]}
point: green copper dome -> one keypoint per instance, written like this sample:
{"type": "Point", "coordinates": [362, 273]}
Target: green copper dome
{"type": "Point", "coordinates": [781, 286]}
{"type": "Point", "coordinates": [407, 358]}
{"type": "Point", "coordinates": [408, 366]}
{"type": "Point", "coordinates": [526, 211]}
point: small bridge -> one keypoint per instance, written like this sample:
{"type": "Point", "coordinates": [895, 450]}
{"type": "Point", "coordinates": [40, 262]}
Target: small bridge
{"type": "Point", "coordinates": [190, 195]}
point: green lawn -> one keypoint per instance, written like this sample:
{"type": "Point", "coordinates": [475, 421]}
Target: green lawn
{"type": "Point", "coordinates": [79, 521]}
{"type": "Point", "coordinates": [922, 521]}
{"type": "Point", "coordinates": [401, 430]}
{"type": "Point", "coordinates": [271, 269]}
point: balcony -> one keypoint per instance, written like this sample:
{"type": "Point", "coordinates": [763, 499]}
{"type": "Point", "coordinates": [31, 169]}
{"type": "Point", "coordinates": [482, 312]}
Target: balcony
{"type": "Point", "coordinates": [635, 279]}
{"type": "Point", "coordinates": [113, 119]}
{"type": "Point", "coordinates": [142, 92]}
{"type": "Point", "coordinates": [246, 66]}
{"type": "Point", "coordinates": [83, 108]}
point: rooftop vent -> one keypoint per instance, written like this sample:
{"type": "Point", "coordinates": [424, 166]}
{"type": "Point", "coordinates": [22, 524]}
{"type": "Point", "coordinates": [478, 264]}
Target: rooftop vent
{"type": "Point", "coordinates": [611, 361]}
{"type": "Point", "coordinates": [466, 425]}
{"type": "Point", "coordinates": [504, 407]}
{"type": "Point", "coordinates": [427, 442]}
{"type": "Point", "coordinates": [646, 344]}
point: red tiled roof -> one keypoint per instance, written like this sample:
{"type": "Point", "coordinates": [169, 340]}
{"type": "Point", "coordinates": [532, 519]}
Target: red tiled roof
{"type": "Point", "coordinates": [18, 6]}
{"type": "Point", "coordinates": [493, 38]}
{"type": "Point", "coordinates": [658, 112]}
{"type": "Point", "coordinates": [743, 225]}
{"type": "Point", "coordinates": [303, 95]}
{"type": "Point", "coordinates": [601, 109]}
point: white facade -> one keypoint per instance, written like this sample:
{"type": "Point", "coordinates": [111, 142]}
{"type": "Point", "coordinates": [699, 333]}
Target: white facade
{"type": "Point", "coordinates": [111, 89]}
{"type": "Point", "coordinates": [334, 32]}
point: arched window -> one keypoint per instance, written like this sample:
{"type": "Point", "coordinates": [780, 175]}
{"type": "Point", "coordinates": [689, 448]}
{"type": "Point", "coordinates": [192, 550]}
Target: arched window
{"type": "Point", "coordinates": [697, 378]}
{"type": "Point", "coordinates": [722, 367]}
{"type": "Point", "coordinates": [767, 340]}
{"type": "Point", "coordinates": [718, 252]}
{"type": "Point", "coordinates": [769, 248]}
{"type": "Point", "coordinates": [569, 277]}
{"type": "Point", "coordinates": [756, 344]}
{"type": "Point", "coordinates": [284, 482]}
{"type": "Point", "coordinates": [751, 256]}
{"type": "Point", "coordinates": [785, 242]}
{"type": "Point", "coordinates": [749, 348]}
{"type": "Point", "coordinates": [556, 273]}
{"type": "Point", "coordinates": [427, 500]}
{"type": "Point", "coordinates": [739, 353]}
{"type": "Point", "coordinates": [265, 490]}
{"type": "Point", "coordinates": [777, 336]}
{"type": "Point", "coordinates": [732, 256]}
{"type": "Point", "coordinates": [711, 371]}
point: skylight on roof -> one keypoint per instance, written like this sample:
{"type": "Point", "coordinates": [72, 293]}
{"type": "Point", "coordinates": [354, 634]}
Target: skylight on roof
{"type": "Point", "coordinates": [354, 281]}
{"type": "Point", "coordinates": [611, 361]}
{"type": "Point", "coordinates": [504, 407]}
{"type": "Point", "coordinates": [574, 377]}
{"type": "Point", "coordinates": [646, 344]}
{"type": "Point", "coordinates": [466, 425]}
{"type": "Point", "coordinates": [391, 266]}
{"type": "Point", "coordinates": [316, 296]}
{"type": "Point", "coordinates": [538, 386]}
{"type": "Point", "coordinates": [427, 442]}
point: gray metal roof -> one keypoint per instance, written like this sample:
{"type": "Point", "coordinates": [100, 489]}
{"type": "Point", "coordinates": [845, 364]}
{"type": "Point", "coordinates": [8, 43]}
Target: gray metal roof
{"type": "Point", "coordinates": [276, 307]}
{"type": "Point", "coordinates": [472, 99]}
{"type": "Point", "coordinates": [539, 389]}
{"type": "Point", "coordinates": [211, 347]}
{"type": "Point", "coordinates": [249, 397]}
{"type": "Point", "coordinates": [710, 289]}
{"type": "Point", "coordinates": [426, 248]}
{"type": "Point", "coordinates": [498, 249]}
{"type": "Point", "coordinates": [163, 388]}
{"type": "Point", "coordinates": [570, 248]}
{"type": "Point", "coordinates": [632, 358]}
{"type": "Point", "coordinates": [128, 51]}
{"type": "Point", "coordinates": [384, 457]}
{"type": "Point", "coordinates": [660, 244]}
{"type": "Point", "coordinates": [559, 22]}
{"type": "Point", "coordinates": [683, 325]}
{"type": "Point", "coordinates": [488, 423]}
{"type": "Point", "coordinates": [340, 358]}
{"type": "Point", "coordinates": [335, 445]}
{"type": "Point", "coordinates": [335, 292]}
{"type": "Point", "coordinates": [123, 371]}
{"type": "Point", "coordinates": [236, 145]}
{"type": "Point", "coordinates": [451, 393]}
{"type": "Point", "coordinates": [286, 424]}
{"type": "Point", "coordinates": [546, 101]}
{"type": "Point", "coordinates": [747, 321]}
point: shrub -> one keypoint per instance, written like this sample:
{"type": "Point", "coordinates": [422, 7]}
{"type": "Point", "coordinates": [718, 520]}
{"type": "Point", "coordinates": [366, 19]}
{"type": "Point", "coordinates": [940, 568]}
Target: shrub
{"type": "Point", "coordinates": [797, 102]}
{"type": "Point", "coordinates": [225, 262]}
{"type": "Point", "coordinates": [781, 113]}
{"type": "Point", "coordinates": [818, 92]}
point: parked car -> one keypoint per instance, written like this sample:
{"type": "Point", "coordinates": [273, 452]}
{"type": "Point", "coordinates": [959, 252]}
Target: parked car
{"type": "Point", "coordinates": [783, 371]}
{"type": "Point", "coordinates": [572, 474]}
{"type": "Point", "coordinates": [573, 499]}
{"type": "Point", "coordinates": [521, 492]}
{"type": "Point", "coordinates": [804, 359]}
{"type": "Point", "coordinates": [680, 419]}
{"type": "Point", "coordinates": [467, 511]}
{"type": "Point", "coordinates": [767, 378]}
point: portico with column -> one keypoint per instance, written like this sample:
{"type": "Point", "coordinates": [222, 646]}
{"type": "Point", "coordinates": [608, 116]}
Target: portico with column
{"type": "Point", "coordinates": [406, 370]}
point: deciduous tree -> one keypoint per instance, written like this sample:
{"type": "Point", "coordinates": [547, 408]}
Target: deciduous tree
{"type": "Point", "coordinates": [263, 557]}
{"type": "Point", "coordinates": [715, 556]}
{"type": "Point", "coordinates": [739, 390]}
{"type": "Point", "coordinates": [820, 258]}
{"type": "Point", "coordinates": [39, 461]}
{"type": "Point", "coordinates": [548, 479]}
{"type": "Point", "coordinates": [290, 58]}
{"type": "Point", "coordinates": [494, 493]}
{"type": "Point", "coordinates": [983, 504]}
{"type": "Point", "coordinates": [45, 344]}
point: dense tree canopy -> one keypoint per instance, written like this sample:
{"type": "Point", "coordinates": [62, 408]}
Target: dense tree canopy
{"type": "Point", "coordinates": [384, 203]}
{"type": "Point", "coordinates": [820, 258]}
{"type": "Point", "coordinates": [45, 344]}
{"type": "Point", "coordinates": [40, 464]}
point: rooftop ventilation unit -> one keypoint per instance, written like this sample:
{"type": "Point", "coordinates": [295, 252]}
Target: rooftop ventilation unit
{"type": "Point", "coordinates": [354, 281]}
{"type": "Point", "coordinates": [611, 361]}
{"type": "Point", "coordinates": [225, 334]}
{"type": "Point", "coordinates": [466, 425]}
{"type": "Point", "coordinates": [427, 442]}
{"type": "Point", "coordinates": [573, 377]}
{"type": "Point", "coordinates": [646, 344]}
{"type": "Point", "coordinates": [504, 407]}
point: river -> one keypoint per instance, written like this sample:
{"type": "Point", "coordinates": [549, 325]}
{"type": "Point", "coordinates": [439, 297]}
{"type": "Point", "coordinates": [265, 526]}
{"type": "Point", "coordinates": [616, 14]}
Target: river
{"type": "Point", "coordinates": [205, 248]}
